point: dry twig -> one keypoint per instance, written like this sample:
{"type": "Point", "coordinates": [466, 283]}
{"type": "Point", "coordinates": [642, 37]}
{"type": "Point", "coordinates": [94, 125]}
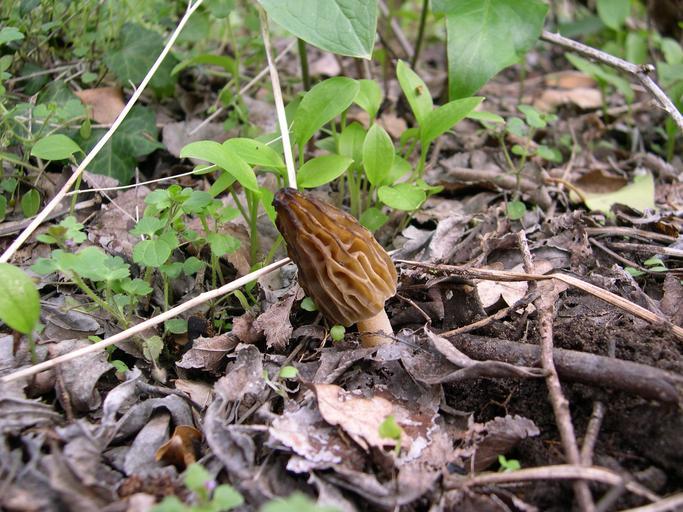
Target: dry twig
{"type": "Point", "coordinates": [642, 73]}
{"type": "Point", "coordinates": [545, 308]}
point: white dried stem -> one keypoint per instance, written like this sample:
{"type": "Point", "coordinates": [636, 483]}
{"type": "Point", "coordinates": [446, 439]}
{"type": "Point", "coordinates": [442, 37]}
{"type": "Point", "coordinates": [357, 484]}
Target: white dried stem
{"type": "Point", "coordinates": [40, 218]}
{"type": "Point", "coordinates": [279, 104]}
{"type": "Point", "coordinates": [155, 320]}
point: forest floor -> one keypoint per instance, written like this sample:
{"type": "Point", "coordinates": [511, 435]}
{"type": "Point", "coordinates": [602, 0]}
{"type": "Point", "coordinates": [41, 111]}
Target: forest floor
{"type": "Point", "coordinates": [482, 362]}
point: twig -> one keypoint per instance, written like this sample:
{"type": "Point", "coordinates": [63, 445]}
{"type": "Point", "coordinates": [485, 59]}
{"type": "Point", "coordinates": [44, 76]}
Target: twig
{"type": "Point", "coordinates": [592, 369]}
{"type": "Point", "coordinates": [40, 218]}
{"type": "Point", "coordinates": [557, 472]}
{"type": "Point", "coordinates": [631, 233]}
{"type": "Point", "coordinates": [9, 228]}
{"type": "Point", "coordinates": [396, 29]}
{"type": "Point", "coordinates": [279, 104]}
{"type": "Point", "coordinates": [508, 276]}
{"type": "Point", "coordinates": [244, 89]}
{"type": "Point", "coordinates": [545, 307]}
{"type": "Point", "coordinates": [420, 33]}
{"type": "Point", "coordinates": [642, 72]}
{"type": "Point", "coordinates": [155, 320]}
{"type": "Point", "coordinates": [592, 431]}
{"type": "Point", "coordinates": [671, 503]}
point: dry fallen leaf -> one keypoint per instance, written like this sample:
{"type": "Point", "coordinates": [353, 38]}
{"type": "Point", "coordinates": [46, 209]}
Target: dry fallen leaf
{"type": "Point", "coordinates": [106, 102]}
{"type": "Point", "coordinates": [181, 449]}
{"type": "Point", "coordinates": [586, 98]}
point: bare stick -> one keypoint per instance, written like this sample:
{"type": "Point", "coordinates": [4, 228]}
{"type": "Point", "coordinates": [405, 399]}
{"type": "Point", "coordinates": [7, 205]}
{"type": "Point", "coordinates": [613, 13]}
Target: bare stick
{"type": "Point", "coordinates": [545, 307]}
{"type": "Point", "coordinates": [592, 431]}
{"type": "Point", "coordinates": [671, 503]}
{"type": "Point", "coordinates": [557, 472]}
{"type": "Point", "coordinates": [508, 276]}
{"type": "Point", "coordinates": [155, 320]}
{"type": "Point", "coordinates": [40, 218]}
{"type": "Point", "coordinates": [642, 73]}
{"type": "Point", "coordinates": [279, 104]}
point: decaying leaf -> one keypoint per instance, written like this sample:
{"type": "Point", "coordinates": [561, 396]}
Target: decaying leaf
{"type": "Point", "coordinates": [208, 353]}
{"type": "Point", "coordinates": [274, 322]}
{"type": "Point", "coordinates": [106, 103]}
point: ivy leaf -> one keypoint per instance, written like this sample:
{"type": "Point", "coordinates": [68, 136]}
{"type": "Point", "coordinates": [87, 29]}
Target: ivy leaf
{"type": "Point", "coordinates": [138, 49]}
{"type": "Point", "coordinates": [346, 27]}
{"type": "Point", "coordinates": [485, 36]}
{"type": "Point", "coordinates": [19, 299]}
{"type": "Point", "coordinates": [147, 226]}
{"type": "Point", "coordinates": [135, 138]}
{"type": "Point", "coordinates": [136, 287]}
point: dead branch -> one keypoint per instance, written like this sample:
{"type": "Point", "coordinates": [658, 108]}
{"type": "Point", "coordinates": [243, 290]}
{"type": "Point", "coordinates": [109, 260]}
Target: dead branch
{"type": "Point", "coordinates": [642, 73]}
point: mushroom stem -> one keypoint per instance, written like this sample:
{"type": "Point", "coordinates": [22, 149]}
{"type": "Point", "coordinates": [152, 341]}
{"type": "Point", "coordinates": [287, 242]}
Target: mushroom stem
{"type": "Point", "coordinates": [374, 329]}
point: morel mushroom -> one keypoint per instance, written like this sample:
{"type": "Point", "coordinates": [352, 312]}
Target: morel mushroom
{"type": "Point", "coordinates": [341, 265]}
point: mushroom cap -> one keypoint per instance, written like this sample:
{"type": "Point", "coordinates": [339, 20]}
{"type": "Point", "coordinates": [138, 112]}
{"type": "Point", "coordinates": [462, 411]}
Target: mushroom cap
{"type": "Point", "coordinates": [341, 265]}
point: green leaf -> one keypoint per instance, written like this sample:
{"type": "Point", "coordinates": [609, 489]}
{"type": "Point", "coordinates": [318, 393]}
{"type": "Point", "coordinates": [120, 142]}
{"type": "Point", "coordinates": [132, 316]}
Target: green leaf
{"type": "Point", "coordinates": [415, 90]}
{"type": "Point", "coordinates": [19, 299]}
{"type": "Point", "coordinates": [337, 332]}
{"type": "Point", "coordinates": [226, 497]}
{"type": "Point", "coordinates": [288, 372]}
{"type": "Point", "coordinates": [389, 429]}
{"type": "Point", "coordinates": [613, 13]}
{"type": "Point", "coordinates": [346, 27]}
{"type": "Point", "coordinates": [399, 168]}
{"type": "Point", "coordinates": [196, 477]}
{"type": "Point", "coordinates": [176, 325]}
{"type": "Point", "coordinates": [634, 271]}
{"type": "Point", "coordinates": [223, 61]}
{"type": "Point", "coordinates": [637, 47]}
{"type": "Point", "coordinates": [138, 49]}
{"type": "Point", "coordinates": [3, 207]}
{"type": "Point", "coordinates": [485, 117]}
{"type": "Point", "coordinates": [485, 36]}
{"type": "Point", "coordinates": [225, 158]}
{"type": "Point", "coordinates": [55, 147]}
{"type": "Point", "coordinates": [550, 154]}
{"type": "Point", "coordinates": [308, 304]}
{"type": "Point", "coordinates": [152, 253]}
{"type": "Point", "coordinates": [378, 155]}
{"type": "Point", "coordinates": [256, 153]}
{"type": "Point", "coordinates": [373, 218]}
{"type": "Point", "coordinates": [351, 142]}
{"type": "Point", "coordinates": [9, 34]}
{"type": "Point", "coordinates": [321, 104]}
{"type": "Point", "coordinates": [94, 264]}
{"type": "Point", "coordinates": [266, 199]}
{"type": "Point", "coordinates": [192, 265]}
{"type": "Point", "coordinates": [443, 118]}
{"type": "Point", "coordinates": [533, 116]}
{"type": "Point", "coordinates": [197, 202]}
{"type": "Point", "coordinates": [222, 244]}
{"type": "Point", "coordinates": [403, 196]}
{"type": "Point", "coordinates": [323, 169]}
{"type": "Point", "coordinates": [30, 203]}
{"type": "Point", "coordinates": [136, 287]}
{"type": "Point", "coordinates": [148, 226]}
{"type": "Point", "coordinates": [639, 195]}
{"type": "Point", "coordinates": [516, 210]}
{"type": "Point", "coordinates": [369, 97]}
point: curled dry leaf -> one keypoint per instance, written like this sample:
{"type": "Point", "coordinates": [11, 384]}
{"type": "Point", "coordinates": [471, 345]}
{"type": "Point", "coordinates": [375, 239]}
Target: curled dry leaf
{"type": "Point", "coordinates": [208, 353]}
{"type": "Point", "coordinates": [181, 449]}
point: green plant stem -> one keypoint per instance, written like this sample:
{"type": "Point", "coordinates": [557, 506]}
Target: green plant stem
{"type": "Point", "coordinates": [303, 58]}
{"type": "Point", "coordinates": [420, 32]}
{"type": "Point", "coordinates": [77, 187]}
{"type": "Point", "coordinates": [239, 204]}
{"type": "Point", "coordinates": [255, 243]}
{"type": "Point", "coordinates": [94, 297]}
{"type": "Point", "coordinates": [273, 249]}
{"type": "Point", "coordinates": [32, 347]}
{"type": "Point", "coordinates": [11, 158]}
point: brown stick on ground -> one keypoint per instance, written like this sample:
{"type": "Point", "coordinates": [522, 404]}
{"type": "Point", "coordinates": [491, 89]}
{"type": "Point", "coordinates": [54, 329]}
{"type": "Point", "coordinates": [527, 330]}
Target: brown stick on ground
{"type": "Point", "coordinates": [600, 371]}
{"type": "Point", "coordinates": [545, 307]}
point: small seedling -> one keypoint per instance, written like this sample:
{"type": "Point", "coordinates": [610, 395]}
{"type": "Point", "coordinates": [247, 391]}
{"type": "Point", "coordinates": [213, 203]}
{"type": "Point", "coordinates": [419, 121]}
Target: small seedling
{"type": "Point", "coordinates": [389, 429]}
{"type": "Point", "coordinates": [337, 332]}
{"type": "Point", "coordinates": [507, 465]}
